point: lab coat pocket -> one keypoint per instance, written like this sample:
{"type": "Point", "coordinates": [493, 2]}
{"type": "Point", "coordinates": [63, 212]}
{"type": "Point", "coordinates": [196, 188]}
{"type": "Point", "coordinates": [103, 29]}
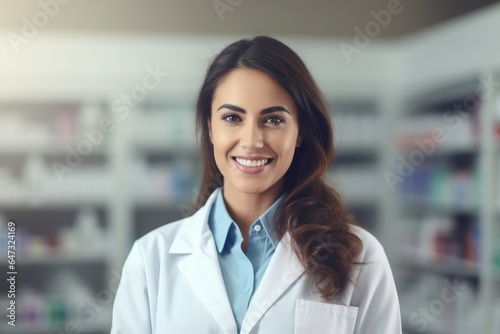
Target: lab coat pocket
{"type": "Point", "coordinates": [315, 317]}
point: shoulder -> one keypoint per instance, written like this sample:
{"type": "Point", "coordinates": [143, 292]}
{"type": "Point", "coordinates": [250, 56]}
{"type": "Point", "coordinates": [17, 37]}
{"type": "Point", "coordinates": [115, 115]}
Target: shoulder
{"type": "Point", "coordinates": [375, 268]}
{"type": "Point", "coordinates": [178, 237]}
{"type": "Point", "coordinates": [373, 288]}
{"type": "Point", "coordinates": [161, 238]}
{"type": "Point", "coordinates": [372, 248]}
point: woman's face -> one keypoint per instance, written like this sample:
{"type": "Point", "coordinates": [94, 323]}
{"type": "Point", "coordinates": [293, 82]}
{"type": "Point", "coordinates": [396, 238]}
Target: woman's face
{"type": "Point", "coordinates": [253, 118]}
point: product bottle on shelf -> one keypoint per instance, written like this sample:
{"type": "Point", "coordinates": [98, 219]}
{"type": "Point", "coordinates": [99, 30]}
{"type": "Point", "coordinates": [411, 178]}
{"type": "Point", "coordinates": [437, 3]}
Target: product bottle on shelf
{"type": "Point", "coordinates": [33, 177]}
{"type": "Point", "coordinates": [90, 233]}
{"type": "Point", "coordinates": [32, 311]}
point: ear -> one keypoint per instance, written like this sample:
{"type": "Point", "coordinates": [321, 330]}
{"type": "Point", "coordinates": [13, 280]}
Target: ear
{"type": "Point", "coordinates": [299, 141]}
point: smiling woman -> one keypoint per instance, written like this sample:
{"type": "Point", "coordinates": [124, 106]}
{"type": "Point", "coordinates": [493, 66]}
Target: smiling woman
{"type": "Point", "coordinates": [270, 247]}
{"type": "Point", "coordinates": [253, 146]}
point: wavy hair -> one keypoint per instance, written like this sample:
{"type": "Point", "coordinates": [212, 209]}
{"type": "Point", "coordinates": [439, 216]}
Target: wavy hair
{"type": "Point", "coordinates": [312, 211]}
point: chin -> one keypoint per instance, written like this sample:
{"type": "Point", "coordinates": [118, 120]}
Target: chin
{"type": "Point", "coordinates": [251, 187]}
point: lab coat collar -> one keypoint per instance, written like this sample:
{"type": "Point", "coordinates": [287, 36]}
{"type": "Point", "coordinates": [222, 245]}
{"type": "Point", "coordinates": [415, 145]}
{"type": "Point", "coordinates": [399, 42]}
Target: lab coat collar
{"type": "Point", "coordinates": [194, 232]}
{"type": "Point", "coordinates": [201, 266]}
{"type": "Point", "coordinates": [195, 239]}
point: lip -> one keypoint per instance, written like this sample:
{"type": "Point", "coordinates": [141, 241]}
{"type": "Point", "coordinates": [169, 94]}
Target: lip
{"type": "Point", "coordinates": [252, 170]}
{"type": "Point", "coordinates": [253, 157]}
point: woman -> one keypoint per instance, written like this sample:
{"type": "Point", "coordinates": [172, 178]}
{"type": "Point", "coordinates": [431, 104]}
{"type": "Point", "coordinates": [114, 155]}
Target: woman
{"type": "Point", "coordinates": [270, 247]}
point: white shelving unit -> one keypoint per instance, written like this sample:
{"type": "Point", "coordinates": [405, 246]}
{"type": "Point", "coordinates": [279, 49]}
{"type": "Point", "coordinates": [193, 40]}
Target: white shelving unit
{"type": "Point", "coordinates": [356, 119]}
{"type": "Point", "coordinates": [55, 214]}
{"type": "Point", "coordinates": [490, 160]}
{"type": "Point", "coordinates": [164, 164]}
{"type": "Point", "coordinates": [452, 223]}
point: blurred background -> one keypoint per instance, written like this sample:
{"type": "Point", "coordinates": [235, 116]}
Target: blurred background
{"type": "Point", "coordinates": [97, 141]}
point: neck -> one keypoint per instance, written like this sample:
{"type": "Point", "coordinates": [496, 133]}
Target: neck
{"type": "Point", "coordinates": [245, 208]}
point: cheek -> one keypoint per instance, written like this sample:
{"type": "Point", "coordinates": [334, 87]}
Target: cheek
{"type": "Point", "coordinates": [222, 147]}
{"type": "Point", "coordinates": [283, 144]}
{"type": "Point", "coordinates": [221, 144]}
{"type": "Point", "coordinates": [287, 150]}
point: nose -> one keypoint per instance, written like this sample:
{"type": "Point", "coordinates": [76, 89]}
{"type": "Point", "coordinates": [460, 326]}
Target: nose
{"type": "Point", "coordinates": [252, 137]}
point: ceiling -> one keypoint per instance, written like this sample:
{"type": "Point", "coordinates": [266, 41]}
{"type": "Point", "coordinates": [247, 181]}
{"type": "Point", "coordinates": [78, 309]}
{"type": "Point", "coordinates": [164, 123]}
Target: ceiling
{"type": "Point", "coordinates": [319, 18]}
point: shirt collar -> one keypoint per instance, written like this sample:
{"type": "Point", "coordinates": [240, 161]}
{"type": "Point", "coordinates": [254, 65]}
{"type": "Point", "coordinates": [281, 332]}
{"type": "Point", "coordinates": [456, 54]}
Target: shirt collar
{"type": "Point", "coordinates": [224, 221]}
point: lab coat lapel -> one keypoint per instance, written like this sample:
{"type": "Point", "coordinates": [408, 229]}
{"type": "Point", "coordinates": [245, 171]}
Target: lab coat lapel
{"type": "Point", "coordinates": [202, 271]}
{"type": "Point", "coordinates": [201, 268]}
{"type": "Point", "coordinates": [283, 270]}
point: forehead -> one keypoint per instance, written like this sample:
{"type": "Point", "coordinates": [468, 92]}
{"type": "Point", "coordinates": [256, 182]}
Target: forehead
{"type": "Point", "coordinates": [250, 88]}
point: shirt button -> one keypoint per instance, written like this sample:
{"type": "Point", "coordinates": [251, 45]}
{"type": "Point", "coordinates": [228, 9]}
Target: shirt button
{"type": "Point", "coordinates": [247, 289]}
{"type": "Point", "coordinates": [257, 228]}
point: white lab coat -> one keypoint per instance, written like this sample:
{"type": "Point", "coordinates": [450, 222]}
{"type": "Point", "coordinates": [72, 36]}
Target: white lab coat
{"type": "Point", "coordinates": [172, 284]}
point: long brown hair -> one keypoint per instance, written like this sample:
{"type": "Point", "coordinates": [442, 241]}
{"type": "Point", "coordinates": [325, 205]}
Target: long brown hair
{"type": "Point", "coordinates": [312, 211]}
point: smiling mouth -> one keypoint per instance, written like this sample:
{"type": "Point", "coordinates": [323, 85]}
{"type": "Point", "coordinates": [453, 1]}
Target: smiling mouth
{"type": "Point", "coordinates": [253, 163]}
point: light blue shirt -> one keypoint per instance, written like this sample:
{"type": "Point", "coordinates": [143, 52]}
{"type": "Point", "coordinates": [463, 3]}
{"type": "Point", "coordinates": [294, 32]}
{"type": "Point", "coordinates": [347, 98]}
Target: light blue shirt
{"type": "Point", "coordinates": [242, 272]}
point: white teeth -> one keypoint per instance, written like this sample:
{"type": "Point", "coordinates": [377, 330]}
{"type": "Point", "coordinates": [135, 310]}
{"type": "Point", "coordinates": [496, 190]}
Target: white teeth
{"type": "Point", "coordinates": [251, 163]}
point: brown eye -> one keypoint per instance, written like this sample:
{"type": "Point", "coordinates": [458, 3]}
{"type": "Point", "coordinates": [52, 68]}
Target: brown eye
{"type": "Point", "coordinates": [275, 120]}
{"type": "Point", "coordinates": [230, 118]}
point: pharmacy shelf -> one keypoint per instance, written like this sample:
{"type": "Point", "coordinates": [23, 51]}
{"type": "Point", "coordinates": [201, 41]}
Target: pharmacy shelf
{"type": "Point", "coordinates": [419, 207]}
{"type": "Point", "coordinates": [44, 132]}
{"type": "Point", "coordinates": [452, 267]}
{"type": "Point", "coordinates": [457, 168]}
{"type": "Point", "coordinates": [361, 203]}
{"type": "Point", "coordinates": [410, 329]}
{"type": "Point", "coordinates": [446, 152]}
{"type": "Point", "coordinates": [62, 259]}
{"type": "Point", "coordinates": [21, 328]}
{"type": "Point", "coordinates": [158, 205]}
{"type": "Point", "coordinates": [165, 148]}
{"type": "Point", "coordinates": [54, 149]}
{"type": "Point", "coordinates": [53, 204]}
{"type": "Point", "coordinates": [361, 150]}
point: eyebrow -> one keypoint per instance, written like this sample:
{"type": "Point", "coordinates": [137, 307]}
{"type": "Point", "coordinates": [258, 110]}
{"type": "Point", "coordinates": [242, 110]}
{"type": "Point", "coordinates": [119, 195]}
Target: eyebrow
{"type": "Point", "coordinates": [262, 112]}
